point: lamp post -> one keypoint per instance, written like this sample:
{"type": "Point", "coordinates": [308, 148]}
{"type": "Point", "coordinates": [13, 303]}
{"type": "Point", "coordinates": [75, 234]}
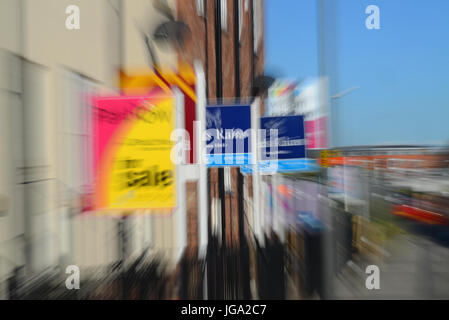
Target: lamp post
{"type": "Point", "coordinates": [334, 111]}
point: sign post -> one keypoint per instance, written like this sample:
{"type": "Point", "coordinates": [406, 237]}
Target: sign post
{"type": "Point", "coordinates": [257, 214]}
{"type": "Point", "coordinates": [181, 173]}
{"type": "Point", "coordinates": [199, 133]}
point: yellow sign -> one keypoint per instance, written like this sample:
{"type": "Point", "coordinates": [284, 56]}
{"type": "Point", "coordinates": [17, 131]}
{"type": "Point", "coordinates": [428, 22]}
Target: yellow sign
{"type": "Point", "coordinates": [132, 152]}
{"type": "Point", "coordinates": [325, 155]}
{"type": "Point", "coordinates": [139, 82]}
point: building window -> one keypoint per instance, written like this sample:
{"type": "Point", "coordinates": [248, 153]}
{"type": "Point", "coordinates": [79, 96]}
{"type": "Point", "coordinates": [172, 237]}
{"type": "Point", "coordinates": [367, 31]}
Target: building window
{"type": "Point", "coordinates": [224, 15]}
{"type": "Point", "coordinates": [257, 22]}
{"type": "Point", "coordinates": [243, 5]}
{"type": "Point", "coordinates": [227, 179]}
{"type": "Point", "coordinates": [200, 7]}
{"type": "Point", "coordinates": [240, 8]}
{"type": "Point", "coordinates": [216, 217]}
{"type": "Point", "coordinates": [76, 134]}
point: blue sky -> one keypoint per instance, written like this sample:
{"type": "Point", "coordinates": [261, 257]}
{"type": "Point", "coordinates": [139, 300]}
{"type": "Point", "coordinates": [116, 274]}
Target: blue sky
{"type": "Point", "coordinates": [402, 70]}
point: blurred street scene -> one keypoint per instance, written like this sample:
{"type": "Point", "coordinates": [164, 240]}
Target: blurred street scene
{"type": "Point", "coordinates": [116, 180]}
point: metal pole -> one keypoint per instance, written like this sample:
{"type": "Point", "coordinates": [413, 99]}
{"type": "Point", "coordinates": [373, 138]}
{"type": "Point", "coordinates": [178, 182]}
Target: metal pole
{"type": "Point", "coordinates": [237, 48]}
{"type": "Point", "coordinates": [154, 61]}
{"type": "Point", "coordinates": [258, 224]}
{"type": "Point", "coordinates": [237, 94]}
{"type": "Point", "coordinates": [218, 54]}
{"type": "Point", "coordinates": [122, 221]}
{"type": "Point", "coordinates": [324, 70]}
{"type": "Point", "coordinates": [219, 95]}
{"type": "Point", "coordinates": [181, 169]}
{"type": "Point", "coordinates": [203, 196]}
{"type": "Point", "coordinates": [123, 245]}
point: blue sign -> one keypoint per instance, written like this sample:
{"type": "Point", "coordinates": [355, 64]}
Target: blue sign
{"type": "Point", "coordinates": [290, 142]}
{"type": "Point", "coordinates": [283, 166]}
{"type": "Point", "coordinates": [228, 135]}
{"type": "Point", "coordinates": [285, 151]}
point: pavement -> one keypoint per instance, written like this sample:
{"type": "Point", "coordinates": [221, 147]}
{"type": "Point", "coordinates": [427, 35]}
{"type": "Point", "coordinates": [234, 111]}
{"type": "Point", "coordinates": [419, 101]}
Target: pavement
{"type": "Point", "coordinates": [417, 268]}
